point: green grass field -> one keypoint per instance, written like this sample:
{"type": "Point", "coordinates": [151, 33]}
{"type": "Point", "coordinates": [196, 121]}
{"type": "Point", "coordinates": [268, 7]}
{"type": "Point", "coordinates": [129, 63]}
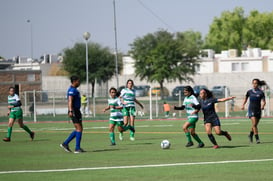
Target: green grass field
{"type": "Point", "coordinates": [142, 159]}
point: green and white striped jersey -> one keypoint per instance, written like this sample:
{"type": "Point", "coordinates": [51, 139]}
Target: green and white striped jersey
{"type": "Point", "coordinates": [13, 100]}
{"type": "Point", "coordinates": [188, 102]}
{"type": "Point", "coordinates": [115, 114]}
{"type": "Point", "coordinates": [128, 96]}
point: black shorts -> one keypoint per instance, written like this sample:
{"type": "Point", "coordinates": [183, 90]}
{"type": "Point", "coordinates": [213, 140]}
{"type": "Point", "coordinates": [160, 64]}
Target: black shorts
{"type": "Point", "coordinates": [254, 113]}
{"type": "Point", "coordinates": [77, 116]}
{"type": "Point", "coordinates": [215, 122]}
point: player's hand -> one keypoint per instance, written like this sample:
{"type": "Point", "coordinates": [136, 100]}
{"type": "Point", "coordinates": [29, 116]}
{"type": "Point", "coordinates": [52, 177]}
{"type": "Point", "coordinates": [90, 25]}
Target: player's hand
{"type": "Point", "coordinates": [70, 114]}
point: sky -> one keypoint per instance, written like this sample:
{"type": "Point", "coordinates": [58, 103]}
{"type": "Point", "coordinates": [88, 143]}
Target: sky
{"type": "Point", "coordinates": [58, 24]}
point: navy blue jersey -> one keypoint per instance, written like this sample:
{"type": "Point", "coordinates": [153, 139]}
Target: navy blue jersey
{"type": "Point", "coordinates": [72, 91]}
{"type": "Point", "coordinates": [208, 109]}
{"type": "Point", "coordinates": [255, 96]}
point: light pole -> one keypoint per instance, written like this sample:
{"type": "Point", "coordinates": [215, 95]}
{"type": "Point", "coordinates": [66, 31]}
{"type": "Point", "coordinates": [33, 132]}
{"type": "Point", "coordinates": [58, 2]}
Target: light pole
{"type": "Point", "coordinates": [116, 44]}
{"type": "Point", "coordinates": [86, 36]}
{"type": "Point", "coordinates": [31, 39]}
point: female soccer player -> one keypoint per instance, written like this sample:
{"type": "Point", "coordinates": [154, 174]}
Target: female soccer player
{"type": "Point", "coordinates": [192, 107]}
{"type": "Point", "coordinates": [211, 119]}
{"type": "Point", "coordinates": [128, 99]}
{"type": "Point", "coordinates": [256, 105]}
{"type": "Point", "coordinates": [15, 113]}
{"type": "Point", "coordinates": [116, 117]}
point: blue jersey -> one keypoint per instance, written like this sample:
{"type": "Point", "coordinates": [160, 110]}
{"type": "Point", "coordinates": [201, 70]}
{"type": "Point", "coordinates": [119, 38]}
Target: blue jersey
{"type": "Point", "coordinates": [208, 109]}
{"type": "Point", "coordinates": [255, 96]}
{"type": "Point", "coordinates": [72, 91]}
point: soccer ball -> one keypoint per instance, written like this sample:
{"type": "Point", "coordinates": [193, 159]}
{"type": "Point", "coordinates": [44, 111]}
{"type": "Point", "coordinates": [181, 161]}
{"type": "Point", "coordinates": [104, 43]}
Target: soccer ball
{"type": "Point", "coordinates": [165, 144]}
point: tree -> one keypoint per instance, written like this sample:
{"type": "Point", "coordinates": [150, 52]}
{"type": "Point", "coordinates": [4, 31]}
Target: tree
{"type": "Point", "coordinates": [162, 56]}
{"type": "Point", "coordinates": [234, 30]}
{"type": "Point", "coordinates": [101, 64]}
{"type": "Point", "coordinates": [258, 30]}
{"type": "Point", "coordinates": [226, 32]}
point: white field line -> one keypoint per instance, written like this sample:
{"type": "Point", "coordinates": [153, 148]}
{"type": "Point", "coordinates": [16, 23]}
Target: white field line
{"type": "Point", "coordinates": [133, 166]}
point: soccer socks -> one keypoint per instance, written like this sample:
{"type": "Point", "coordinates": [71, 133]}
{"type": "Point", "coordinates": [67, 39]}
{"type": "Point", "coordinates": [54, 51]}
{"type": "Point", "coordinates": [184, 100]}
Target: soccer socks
{"type": "Point", "coordinates": [112, 137]}
{"type": "Point", "coordinates": [78, 140]}
{"type": "Point", "coordinates": [26, 129]}
{"type": "Point", "coordinates": [196, 137]}
{"type": "Point", "coordinates": [132, 134]}
{"type": "Point", "coordinates": [223, 133]}
{"type": "Point", "coordinates": [9, 132]}
{"type": "Point", "coordinates": [251, 133]}
{"type": "Point", "coordinates": [212, 139]}
{"type": "Point", "coordinates": [70, 137]}
{"type": "Point", "coordinates": [188, 136]}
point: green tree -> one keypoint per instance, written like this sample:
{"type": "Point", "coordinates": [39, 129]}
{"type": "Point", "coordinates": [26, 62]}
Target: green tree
{"type": "Point", "coordinates": [162, 56]}
{"type": "Point", "coordinates": [234, 30]}
{"type": "Point", "coordinates": [101, 64]}
{"type": "Point", "coordinates": [258, 30]}
{"type": "Point", "coordinates": [226, 32]}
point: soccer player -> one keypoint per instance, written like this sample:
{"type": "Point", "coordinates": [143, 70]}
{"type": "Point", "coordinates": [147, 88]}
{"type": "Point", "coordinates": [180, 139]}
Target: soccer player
{"type": "Point", "coordinates": [192, 107]}
{"type": "Point", "coordinates": [166, 109]}
{"type": "Point", "coordinates": [128, 99]}
{"type": "Point", "coordinates": [256, 105]}
{"type": "Point", "coordinates": [15, 112]}
{"type": "Point", "coordinates": [211, 119]}
{"type": "Point", "coordinates": [74, 105]}
{"type": "Point", "coordinates": [116, 117]}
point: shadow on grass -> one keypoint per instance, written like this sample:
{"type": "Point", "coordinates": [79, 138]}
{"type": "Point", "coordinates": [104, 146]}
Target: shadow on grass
{"type": "Point", "coordinates": [103, 150]}
{"type": "Point", "coordinates": [238, 146]}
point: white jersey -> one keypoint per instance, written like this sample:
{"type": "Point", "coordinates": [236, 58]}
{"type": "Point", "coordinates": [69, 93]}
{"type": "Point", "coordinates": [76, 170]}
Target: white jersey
{"type": "Point", "coordinates": [188, 102]}
{"type": "Point", "coordinates": [115, 114]}
{"type": "Point", "coordinates": [13, 100]}
{"type": "Point", "coordinates": [128, 96]}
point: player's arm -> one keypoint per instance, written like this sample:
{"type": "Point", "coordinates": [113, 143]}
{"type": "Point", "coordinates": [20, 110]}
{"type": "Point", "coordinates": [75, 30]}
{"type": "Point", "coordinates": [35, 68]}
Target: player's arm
{"type": "Point", "coordinates": [106, 109]}
{"type": "Point", "coordinates": [139, 103]}
{"type": "Point", "coordinates": [70, 106]}
{"type": "Point", "coordinates": [179, 107]}
{"type": "Point", "coordinates": [225, 99]}
{"type": "Point", "coordinates": [263, 102]}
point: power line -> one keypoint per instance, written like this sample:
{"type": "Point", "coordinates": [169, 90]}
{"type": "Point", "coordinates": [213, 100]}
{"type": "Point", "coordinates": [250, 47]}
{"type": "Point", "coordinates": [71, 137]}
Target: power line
{"type": "Point", "coordinates": [155, 15]}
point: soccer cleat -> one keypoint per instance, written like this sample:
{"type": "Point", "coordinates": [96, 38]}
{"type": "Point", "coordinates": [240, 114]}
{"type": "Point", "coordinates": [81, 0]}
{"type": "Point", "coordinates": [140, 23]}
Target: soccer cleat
{"type": "Point", "coordinates": [132, 138]}
{"type": "Point", "coordinates": [65, 147]}
{"type": "Point", "coordinates": [32, 134]}
{"type": "Point", "coordinates": [228, 136]}
{"type": "Point", "coordinates": [200, 145]}
{"type": "Point", "coordinates": [258, 141]}
{"type": "Point", "coordinates": [79, 151]}
{"type": "Point", "coordinates": [215, 147]}
{"type": "Point", "coordinates": [189, 144]}
{"type": "Point", "coordinates": [6, 139]}
{"type": "Point", "coordinates": [250, 138]}
{"type": "Point", "coordinates": [112, 144]}
{"type": "Point", "coordinates": [120, 136]}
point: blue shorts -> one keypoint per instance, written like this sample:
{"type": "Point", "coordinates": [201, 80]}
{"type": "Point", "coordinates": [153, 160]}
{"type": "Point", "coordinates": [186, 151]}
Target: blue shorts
{"type": "Point", "coordinates": [215, 122]}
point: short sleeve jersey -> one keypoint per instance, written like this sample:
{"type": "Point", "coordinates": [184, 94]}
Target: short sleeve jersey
{"type": "Point", "coordinates": [13, 100]}
{"type": "Point", "coordinates": [208, 109]}
{"type": "Point", "coordinates": [115, 114]}
{"type": "Point", "coordinates": [188, 102]}
{"type": "Point", "coordinates": [255, 96]}
{"type": "Point", "coordinates": [128, 96]}
{"type": "Point", "coordinates": [72, 91]}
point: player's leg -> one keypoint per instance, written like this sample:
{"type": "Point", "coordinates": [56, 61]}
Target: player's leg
{"type": "Point", "coordinates": [255, 122]}
{"type": "Point", "coordinates": [220, 132]}
{"type": "Point", "coordinates": [19, 116]}
{"type": "Point", "coordinates": [191, 127]}
{"type": "Point", "coordinates": [132, 113]}
{"type": "Point", "coordinates": [208, 127]}
{"type": "Point", "coordinates": [10, 124]}
{"type": "Point", "coordinates": [187, 133]}
{"type": "Point", "coordinates": [111, 132]}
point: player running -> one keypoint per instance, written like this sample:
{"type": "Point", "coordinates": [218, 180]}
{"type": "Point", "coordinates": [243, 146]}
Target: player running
{"type": "Point", "coordinates": [256, 105]}
{"type": "Point", "coordinates": [15, 113]}
{"type": "Point", "coordinates": [116, 117]}
{"type": "Point", "coordinates": [128, 99]}
{"type": "Point", "coordinates": [192, 107]}
{"type": "Point", "coordinates": [211, 119]}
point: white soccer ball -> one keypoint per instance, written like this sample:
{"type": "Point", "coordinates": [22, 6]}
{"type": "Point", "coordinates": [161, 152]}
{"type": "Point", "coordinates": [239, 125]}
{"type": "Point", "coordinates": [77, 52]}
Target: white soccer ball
{"type": "Point", "coordinates": [165, 144]}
